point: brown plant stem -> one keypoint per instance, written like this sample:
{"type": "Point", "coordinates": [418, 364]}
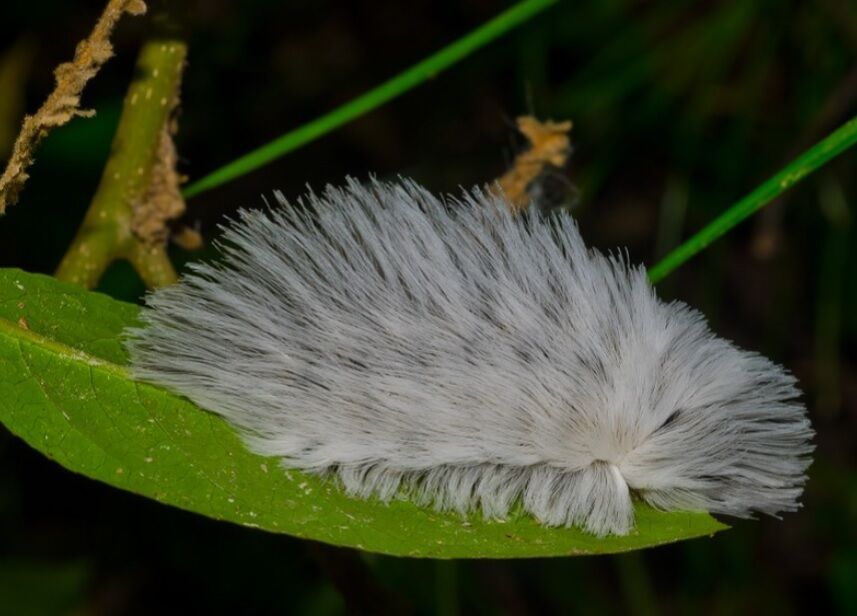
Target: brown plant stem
{"type": "Point", "coordinates": [135, 177]}
{"type": "Point", "coordinates": [63, 103]}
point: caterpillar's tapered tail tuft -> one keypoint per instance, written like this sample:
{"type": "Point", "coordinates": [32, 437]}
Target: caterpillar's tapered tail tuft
{"type": "Point", "coordinates": [469, 359]}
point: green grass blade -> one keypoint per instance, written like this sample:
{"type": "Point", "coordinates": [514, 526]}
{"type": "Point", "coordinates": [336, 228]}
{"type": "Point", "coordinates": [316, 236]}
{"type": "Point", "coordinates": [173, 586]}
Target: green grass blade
{"type": "Point", "coordinates": [825, 150]}
{"type": "Point", "coordinates": [388, 90]}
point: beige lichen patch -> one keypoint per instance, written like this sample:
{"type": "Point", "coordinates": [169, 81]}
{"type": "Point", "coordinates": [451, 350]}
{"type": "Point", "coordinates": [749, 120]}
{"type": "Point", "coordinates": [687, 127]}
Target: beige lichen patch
{"type": "Point", "coordinates": [63, 103]}
{"type": "Point", "coordinates": [549, 146]}
{"type": "Point", "coordinates": [162, 201]}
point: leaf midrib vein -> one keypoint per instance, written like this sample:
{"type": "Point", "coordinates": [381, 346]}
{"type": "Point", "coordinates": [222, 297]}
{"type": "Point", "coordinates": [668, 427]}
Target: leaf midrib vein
{"type": "Point", "coordinates": [18, 333]}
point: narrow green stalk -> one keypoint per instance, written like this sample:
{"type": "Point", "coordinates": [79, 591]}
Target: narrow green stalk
{"type": "Point", "coordinates": [388, 90]}
{"type": "Point", "coordinates": [106, 233]}
{"type": "Point", "coordinates": [153, 264]}
{"type": "Point", "coordinates": [825, 150]}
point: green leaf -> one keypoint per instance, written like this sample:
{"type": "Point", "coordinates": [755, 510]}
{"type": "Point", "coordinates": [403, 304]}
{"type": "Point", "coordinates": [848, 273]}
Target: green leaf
{"type": "Point", "coordinates": [64, 389]}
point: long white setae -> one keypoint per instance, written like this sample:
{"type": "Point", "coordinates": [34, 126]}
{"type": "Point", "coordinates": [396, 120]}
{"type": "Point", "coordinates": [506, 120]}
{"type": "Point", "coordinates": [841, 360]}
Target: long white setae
{"type": "Point", "coordinates": [452, 353]}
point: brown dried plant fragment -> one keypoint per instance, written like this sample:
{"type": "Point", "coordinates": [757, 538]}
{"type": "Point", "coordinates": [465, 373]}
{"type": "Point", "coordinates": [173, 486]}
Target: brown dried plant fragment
{"type": "Point", "coordinates": [550, 146]}
{"type": "Point", "coordinates": [63, 103]}
{"type": "Point", "coordinates": [162, 201]}
{"type": "Point", "coordinates": [188, 238]}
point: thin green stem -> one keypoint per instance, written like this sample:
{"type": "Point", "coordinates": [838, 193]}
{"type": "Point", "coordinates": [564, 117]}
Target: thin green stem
{"type": "Point", "coordinates": [152, 264]}
{"type": "Point", "coordinates": [106, 233]}
{"type": "Point", "coordinates": [388, 90]}
{"type": "Point", "coordinates": [825, 150]}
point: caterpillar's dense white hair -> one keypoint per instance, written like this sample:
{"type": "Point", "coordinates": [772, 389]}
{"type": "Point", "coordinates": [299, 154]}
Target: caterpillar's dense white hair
{"type": "Point", "coordinates": [470, 359]}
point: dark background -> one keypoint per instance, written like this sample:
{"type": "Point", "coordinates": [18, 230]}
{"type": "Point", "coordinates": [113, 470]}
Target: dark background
{"type": "Point", "coordinates": [679, 109]}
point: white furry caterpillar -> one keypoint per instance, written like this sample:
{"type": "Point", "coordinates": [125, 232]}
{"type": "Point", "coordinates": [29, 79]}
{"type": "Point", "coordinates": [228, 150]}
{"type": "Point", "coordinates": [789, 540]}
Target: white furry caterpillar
{"type": "Point", "coordinates": [472, 359]}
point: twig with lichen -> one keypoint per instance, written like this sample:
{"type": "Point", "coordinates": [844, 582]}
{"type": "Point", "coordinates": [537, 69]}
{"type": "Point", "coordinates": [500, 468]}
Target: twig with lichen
{"type": "Point", "coordinates": [139, 189]}
{"type": "Point", "coordinates": [63, 103]}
